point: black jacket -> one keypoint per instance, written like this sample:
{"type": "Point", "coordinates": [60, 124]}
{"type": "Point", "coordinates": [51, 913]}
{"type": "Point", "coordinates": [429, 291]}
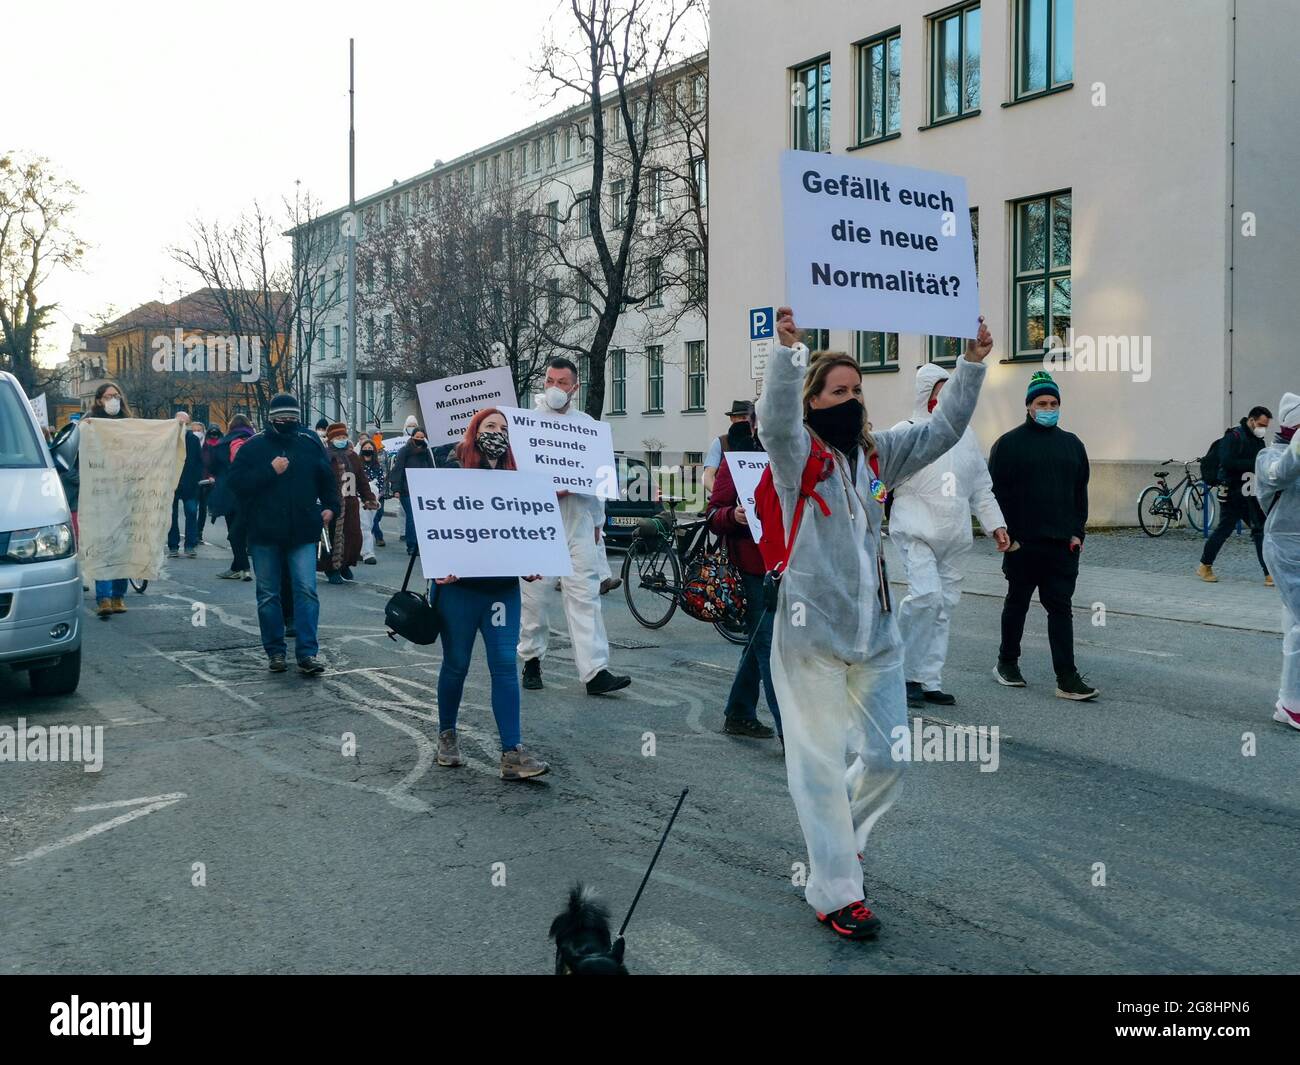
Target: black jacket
{"type": "Point", "coordinates": [409, 457]}
{"type": "Point", "coordinates": [192, 471]}
{"type": "Point", "coordinates": [221, 502]}
{"type": "Point", "coordinates": [1040, 479]}
{"type": "Point", "coordinates": [283, 509]}
{"type": "Point", "coordinates": [1237, 457]}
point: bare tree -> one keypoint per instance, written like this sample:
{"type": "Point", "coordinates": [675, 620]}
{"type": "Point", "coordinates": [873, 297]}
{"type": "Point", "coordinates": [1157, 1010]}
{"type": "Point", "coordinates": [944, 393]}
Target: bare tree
{"type": "Point", "coordinates": [612, 57]}
{"type": "Point", "coordinates": [36, 239]}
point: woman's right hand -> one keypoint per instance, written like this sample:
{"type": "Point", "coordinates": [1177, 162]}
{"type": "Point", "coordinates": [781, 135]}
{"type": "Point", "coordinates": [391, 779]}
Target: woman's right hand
{"type": "Point", "coordinates": [451, 578]}
{"type": "Point", "coordinates": [740, 516]}
{"type": "Point", "coordinates": [787, 332]}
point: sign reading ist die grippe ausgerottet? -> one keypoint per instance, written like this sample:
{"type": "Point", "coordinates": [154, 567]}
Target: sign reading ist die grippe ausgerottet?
{"type": "Point", "coordinates": [877, 247]}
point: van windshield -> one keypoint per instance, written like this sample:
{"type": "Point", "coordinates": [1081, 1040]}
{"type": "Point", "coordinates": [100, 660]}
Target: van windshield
{"type": "Point", "coordinates": [20, 447]}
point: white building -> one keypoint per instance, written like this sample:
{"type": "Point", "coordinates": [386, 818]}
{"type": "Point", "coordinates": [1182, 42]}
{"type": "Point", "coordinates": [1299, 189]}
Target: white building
{"type": "Point", "coordinates": [656, 390]}
{"type": "Point", "coordinates": [1143, 157]}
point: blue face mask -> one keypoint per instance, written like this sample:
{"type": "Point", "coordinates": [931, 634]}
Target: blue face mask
{"type": "Point", "coordinates": [1047, 418]}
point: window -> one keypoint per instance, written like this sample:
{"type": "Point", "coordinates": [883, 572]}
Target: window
{"type": "Point", "coordinates": [582, 209]}
{"type": "Point", "coordinates": [700, 181]}
{"type": "Point", "coordinates": [696, 373]}
{"type": "Point", "coordinates": [537, 155]}
{"type": "Point", "coordinates": [654, 193]}
{"type": "Point", "coordinates": [947, 349]}
{"type": "Point", "coordinates": [810, 100]}
{"type": "Point", "coordinates": [1041, 272]}
{"type": "Point", "coordinates": [553, 219]}
{"type": "Point", "coordinates": [370, 335]}
{"type": "Point", "coordinates": [510, 163]}
{"type": "Point", "coordinates": [584, 372]}
{"type": "Point", "coordinates": [552, 300]}
{"type": "Point", "coordinates": [618, 376]}
{"type": "Point", "coordinates": [483, 175]}
{"type": "Point", "coordinates": [874, 350]}
{"type": "Point", "coordinates": [338, 340]}
{"type": "Point", "coordinates": [1044, 45]}
{"type": "Point", "coordinates": [696, 282]}
{"type": "Point", "coordinates": [880, 108]}
{"type": "Point", "coordinates": [387, 411]}
{"type": "Point", "coordinates": [388, 332]}
{"type": "Point", "coordinates": [568, 143]}
{"type": "Point", "coordinates": [816, 339]}
{"type": "Point", "coordinates": [654, 282]}
{"type": "Point", "coordinates": [551, 140]}
{"type": "Point", "coordinates": [955, 63]}
{"type": "Point", "coordinates": [692, 458]}
{"type": "Point", "coordinates": [654, 379]}
{"type": "Point", "coordinates": [584, 137]}
{"type": "Point", "coordinates": [584, 297]}
{"type": "Point", "coordinates": [617, 202]}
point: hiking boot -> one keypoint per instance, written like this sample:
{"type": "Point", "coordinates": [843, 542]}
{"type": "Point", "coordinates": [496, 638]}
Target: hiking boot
{"type": "Point", "coordinates": [609, 584]}
{"type": "Point", "coordinates": [449, 751]}
{"type": "Point", "coordinates": [276, 663]}
{"type": "Point", "coordinates": [518, 764]}
{"type": "Point", "coordinates": [747, 726]}
{"type": "Point", "coordinates": [230, 575]}
{"type": "Point", "coordinates": [605, 682]}
{"type": "Point", "coordinates": [334, 578]}
{"type": "Point", "coordinates": [105, 610]}
{"type": "Point", "coordinates": [533, 675]}
{"type": "Point", "coordinates": [1287, 717]}
{"type": "Point", "coordinates": [854, 921]}
{"type": "Point", "coordinates": [118, 604]}
{"type": "Point", "coordinates": [915, 696]}
{"type": "Point", "coordinates": [1075, 687]}
{"type": "Point", "coordinates": [311, 667]}
{"type": "Point", "coordinates": [1268, 580]}
{"type": "Point", "coordinates": [939, 698]}
{"type": "Point", "coordinates": [1008, 673]}
{"type": "Point", "coordinates": [1206, 573]}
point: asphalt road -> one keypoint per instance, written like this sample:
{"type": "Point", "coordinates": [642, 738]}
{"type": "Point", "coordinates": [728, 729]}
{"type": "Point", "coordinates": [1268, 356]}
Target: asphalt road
{"type": "Point", "coordinates": [383, 862]}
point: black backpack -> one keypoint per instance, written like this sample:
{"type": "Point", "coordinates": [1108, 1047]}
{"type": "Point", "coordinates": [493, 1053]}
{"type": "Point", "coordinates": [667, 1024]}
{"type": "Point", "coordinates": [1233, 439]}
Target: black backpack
{"type": "Point", "coordinates": [411, 615]}
{"type": "Point", "coordinates": [1212, 460]}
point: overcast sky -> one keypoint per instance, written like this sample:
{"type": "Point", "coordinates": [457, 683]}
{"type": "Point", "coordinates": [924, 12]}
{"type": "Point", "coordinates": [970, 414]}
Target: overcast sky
{"type": "Point", "coordinates": [162, 111]}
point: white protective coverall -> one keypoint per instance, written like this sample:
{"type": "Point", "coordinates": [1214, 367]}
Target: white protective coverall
{"type": "Point", "coordinates": [930, 525]}
{"type": "Point", "coordinates": [837, 659]}
{"type": "Point", "coordinates": [1277, 482]}
{"type": "Point", "coordinates": [583, 515]}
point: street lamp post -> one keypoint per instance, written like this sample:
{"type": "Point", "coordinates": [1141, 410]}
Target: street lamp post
{"type": "Point", "coordinates": [352, 242]}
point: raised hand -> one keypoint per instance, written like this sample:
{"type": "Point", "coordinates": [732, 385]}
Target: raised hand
{"type": "Point", "coordinates": [977, 350]}
{"type": "Point", "coordinates": [787, 332]}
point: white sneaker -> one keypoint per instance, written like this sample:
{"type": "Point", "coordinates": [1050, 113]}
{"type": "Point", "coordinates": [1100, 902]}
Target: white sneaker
{"type": "Point", "coordinates": [1282, 714]}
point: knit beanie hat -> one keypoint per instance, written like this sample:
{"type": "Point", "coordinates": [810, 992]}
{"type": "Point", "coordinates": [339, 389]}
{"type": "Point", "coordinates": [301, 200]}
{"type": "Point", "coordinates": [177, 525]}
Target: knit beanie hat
{"type": "Point", "coordinates": [1041, 384]}
{"type": "Point", "coordinates": [284, 403]}
{"type": "Point", "coordinates": [335, 431]}
{"type": "Point", "coordinates": [1288, 411]}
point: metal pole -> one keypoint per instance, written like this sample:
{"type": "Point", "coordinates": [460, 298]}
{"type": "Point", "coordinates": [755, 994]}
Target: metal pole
{"type": "Point", "coordinates": [352, 245]}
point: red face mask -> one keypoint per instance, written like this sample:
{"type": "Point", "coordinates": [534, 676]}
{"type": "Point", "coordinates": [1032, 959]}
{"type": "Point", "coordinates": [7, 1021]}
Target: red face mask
{"type": "Point", "coordinates": [934, 402]}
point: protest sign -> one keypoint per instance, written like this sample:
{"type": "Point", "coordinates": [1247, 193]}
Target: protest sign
{"type": "Point", "coordinates": [877, 247]}
{"type": "Point", "coordinates": [487, 523]}
{"type": "Point", "coordinates": [449, 404]}
{"type": "Point", "coordinates": [129, 471]}
{"type": "Point", "coordinates": [576, 453]}
{"type": "Point", "coordinates": [41, 409]}
{"type": "Point", "coordinates": [746, 471]}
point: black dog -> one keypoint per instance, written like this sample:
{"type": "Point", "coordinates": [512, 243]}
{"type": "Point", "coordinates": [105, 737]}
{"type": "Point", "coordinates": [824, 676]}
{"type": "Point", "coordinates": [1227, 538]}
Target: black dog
{"type": "Point", "coordinates": [582, 939]}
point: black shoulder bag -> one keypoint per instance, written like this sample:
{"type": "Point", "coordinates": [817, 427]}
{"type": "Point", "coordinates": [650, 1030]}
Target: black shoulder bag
{"type": "Point", "coordinates": [412, 616]}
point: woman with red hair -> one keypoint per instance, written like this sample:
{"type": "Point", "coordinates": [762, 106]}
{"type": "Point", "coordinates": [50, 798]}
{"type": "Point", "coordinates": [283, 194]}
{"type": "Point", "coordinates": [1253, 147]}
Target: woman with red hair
{"type": "Point", "coordinates": [490, 605]}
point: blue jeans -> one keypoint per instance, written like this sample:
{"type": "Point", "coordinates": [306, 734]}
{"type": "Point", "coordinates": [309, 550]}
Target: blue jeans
{"type": "Point", "coordinates": [191, 524]}
{"type": "Point", "coordinates": [110, 589]}
{"type": "Point", "coordinates": [270, 561]}
{"type": "Point", "coordinates": [464, 612]}
{"type": "Point", "coordinates": [756, 661]}
{"type": "Point", "coordinates": [374, 522]}
{"type": "Point", "coordinates": [412, 545]}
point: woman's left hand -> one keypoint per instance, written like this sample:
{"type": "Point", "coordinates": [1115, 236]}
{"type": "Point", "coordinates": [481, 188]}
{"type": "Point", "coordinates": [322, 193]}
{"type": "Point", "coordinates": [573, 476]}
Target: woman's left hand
{"type": "Point", "coordinates": [534, 577]}
{"type": "Point", "coordinates": [449, 579]}
{"type": "Point", "coordinates": [977, 350]}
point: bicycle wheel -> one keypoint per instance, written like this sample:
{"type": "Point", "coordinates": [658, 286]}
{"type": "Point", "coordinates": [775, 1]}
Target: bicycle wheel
{"type": "Point", "coordinates": [1154, 511]}
{"type": "Point", "coordinates": [1195, 501]}
{"type": "Point", "coordinates": [652, 576]}
{"type": "Point", "coordinates": [139, 586]}
{"type": "Point", "coordinates": [733, 630]}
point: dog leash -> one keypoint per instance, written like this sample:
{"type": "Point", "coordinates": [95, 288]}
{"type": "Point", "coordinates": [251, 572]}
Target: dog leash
{"type": "Point", "coordinates": [645, 879]}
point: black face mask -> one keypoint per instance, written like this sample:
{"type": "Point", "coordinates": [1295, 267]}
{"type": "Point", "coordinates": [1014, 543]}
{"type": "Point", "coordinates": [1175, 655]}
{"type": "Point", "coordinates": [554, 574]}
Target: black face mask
{"type": "Point", "coordinates": [740, 437]}
{"type": "Point", "coordinates": [841, 425]}
{"type": "Point", "coordinates": [285, 428]}
{"type": "Point", "coordinates": [419, 445]}
{"type": "Point", "coordinates": [368, 456]}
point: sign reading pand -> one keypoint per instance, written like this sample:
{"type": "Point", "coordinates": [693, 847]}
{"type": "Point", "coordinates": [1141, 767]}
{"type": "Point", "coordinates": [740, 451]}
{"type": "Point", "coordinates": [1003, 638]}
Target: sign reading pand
{"type": "Point", "coordinates": [876, 247]}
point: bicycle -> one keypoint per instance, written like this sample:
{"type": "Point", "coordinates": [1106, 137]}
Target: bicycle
{"type": "Point", "coordinates": [1196, 504]}
{"type": "Point", "coordinates": [662, 550]}
{"type": "Point", "coordinates": [139, 585]}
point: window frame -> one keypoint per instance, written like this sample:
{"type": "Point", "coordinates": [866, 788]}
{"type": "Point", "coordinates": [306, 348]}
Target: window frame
{"type": "Point", "coordinates": [618, 380]}
{"type": "Point", "coordinates": [962, 11]}
{"type": "Point", "coordinates": [654, 281]}
{"type": "Point", "coordinates": [934, 344]}
{"type": "Point", "coordinates": [697, 377]}
{"type": "Point", "coordinates": [887, 341]}
{"type": "Point", "coordinates": [861, 51]}
{"type": "Point", "coordinates": [797, 74]}
{"type": "Point", "coordinates": [1047, 276]}
{"type": "Point", "coordinates": [654, 379]}
{"type": "Point", "coordinates": [1018, 53]}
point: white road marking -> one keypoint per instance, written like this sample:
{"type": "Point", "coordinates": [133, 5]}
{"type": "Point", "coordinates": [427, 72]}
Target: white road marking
{"type": "Point", "coordinates": [94, 830]}
{"type": "Point", "coordinates": [170, 797]}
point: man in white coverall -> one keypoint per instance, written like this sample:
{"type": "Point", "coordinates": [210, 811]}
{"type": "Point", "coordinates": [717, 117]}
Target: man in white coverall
{"type": "Point", "coordinates": [584, 516]}
{"type": "Point", "coordinates": [929, 523]}
{"type": "Point", "coordinates": [1277, 484]}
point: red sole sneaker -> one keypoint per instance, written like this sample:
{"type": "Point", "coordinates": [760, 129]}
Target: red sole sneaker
{"type": "Point", "coordinates": [855, 921]}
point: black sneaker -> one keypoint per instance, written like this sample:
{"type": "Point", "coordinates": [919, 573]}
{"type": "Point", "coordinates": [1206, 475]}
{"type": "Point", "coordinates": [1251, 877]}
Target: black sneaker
{"type": "Point", "coordinates": [346, 573]}
{"type": "Point", "coordinates": [1075, 687]}
{"type": "Point", "coordinates": [371, 561]}
{"type": "Point", "coordinates": [533, 674]}
{"type": "Point", "coordinates": [855, 921]}
{"type": "Point", "coordinates": [605, 682]}
{"type": "Point", "coordinates": [1008, 673]}
{"type": "Point", "coordinates": [915, 696]}
{"type": "Point", "coordinates": [939, 698]}
{"type": "Point", "coordinates": [311, 667]}
{"type": "Point", "coordinates": [747, 726]}
{"type": "Point", "coordinates": [276, 663]}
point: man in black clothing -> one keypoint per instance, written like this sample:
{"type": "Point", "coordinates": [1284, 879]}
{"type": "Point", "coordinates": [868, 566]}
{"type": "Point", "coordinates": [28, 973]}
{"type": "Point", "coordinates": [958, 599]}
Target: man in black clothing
{"type": "Point", "coordinates": [186, 497]}
{"type": "Point", "coordinates": [1040, 479]}
{"type": "Point", "coordinates": [1237, 453]}
{"type": "Point", "coordinates": [286, 490]}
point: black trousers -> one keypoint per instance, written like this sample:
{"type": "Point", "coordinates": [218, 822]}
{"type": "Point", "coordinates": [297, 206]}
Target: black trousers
{"type": "Point", "coordinates": [1050, 568]}
{"type": "Point", "coordinates": [204, 489]}
{"type": "Point", "coordinates": [1235, 508]}
{"type": "Point", "coordinates": [237, 533]}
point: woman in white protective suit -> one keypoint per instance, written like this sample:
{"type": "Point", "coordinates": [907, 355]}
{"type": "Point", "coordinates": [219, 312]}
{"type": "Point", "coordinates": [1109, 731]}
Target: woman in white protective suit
{"type": "Point", "coordinates": [930, 525]}
{"type": "Point", "coordinates": [1277, 483]}
{"type": "Point", "coordinates": [837, 660]}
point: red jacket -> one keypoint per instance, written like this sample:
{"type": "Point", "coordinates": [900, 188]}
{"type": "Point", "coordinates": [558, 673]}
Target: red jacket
{"type": "Point", "coordinates": [722, 520]}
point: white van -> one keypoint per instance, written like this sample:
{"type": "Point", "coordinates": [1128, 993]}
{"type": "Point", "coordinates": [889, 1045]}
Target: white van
{"type": "Point", "coordinates": [40, 582]}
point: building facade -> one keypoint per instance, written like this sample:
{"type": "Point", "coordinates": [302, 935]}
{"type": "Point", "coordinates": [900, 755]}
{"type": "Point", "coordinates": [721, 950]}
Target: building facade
{"type": "Point", "coordinates": [1128, 167]}
{"type": "Point", "coordinates": [657, 397]}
